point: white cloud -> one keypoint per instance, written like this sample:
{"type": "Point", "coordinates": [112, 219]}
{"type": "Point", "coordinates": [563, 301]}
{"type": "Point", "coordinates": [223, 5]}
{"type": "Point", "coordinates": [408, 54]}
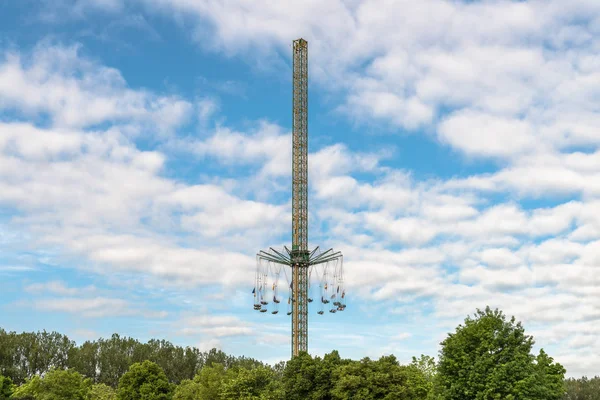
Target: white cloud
{"type": "Point", "coordinates": [86, 334]}
{"type": "Point", "coordinates": [214, 326]}
{"type": "Point", "coordinates": [58, 287]}
{"type": "Point", "coordinates": [402, 336]}
{"type": "Point", "coordinates": [95, 307]}
{"type": "Point", "coordinates": [16, 268]}
{"type": "Point", "coordinates": [78, 92]}
{"type": "Point", "coordinates": [482, 135]}
{"type": "Point", "coordinates": [465, 57]}
{"type": "Point", "coordinates": [267, 145]}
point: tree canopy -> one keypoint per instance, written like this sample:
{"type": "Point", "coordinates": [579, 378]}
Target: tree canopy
{"type": "Point", "coordinates": [101, 391]}
{"type": "Point", "coordinates": [56, 384]}
{"type": "Point", "coordinates": [6, 387]}
{"type": "Point", "coordinates": [489, 357]}
{"type": "Point", "coordinates": [144, 381]}
{"type": "Point", "coordinates": [582, 388]}
{"type": "Point", "coordinates": [28, 354]}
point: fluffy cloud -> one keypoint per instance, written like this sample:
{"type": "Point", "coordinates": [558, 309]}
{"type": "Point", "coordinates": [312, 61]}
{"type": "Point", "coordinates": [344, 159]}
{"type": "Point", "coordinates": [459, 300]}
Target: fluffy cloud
{"type": "Point", "coordinates": [91, 192]}
{"type": "Point", "coordinates": [87, 307]}
{"type": "Point", "coordinates": [214, 326]}
{"type": "Point", "coordinates": [77, 92]}
{"type": "Point", "coordinates": [512, 81]}
{"type": "Point", "coordinates": [57, 287]}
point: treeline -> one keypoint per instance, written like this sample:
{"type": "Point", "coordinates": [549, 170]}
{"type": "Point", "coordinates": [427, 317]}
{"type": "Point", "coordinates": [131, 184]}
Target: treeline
{"type": "Point", "coordinates": [487, 357]}
{"type": "Point", "coordinates": [582, 388]}
{"type": "Point", "coordinates": [303, 377]}
{"type": "Point", "coordinates": [29, 354]}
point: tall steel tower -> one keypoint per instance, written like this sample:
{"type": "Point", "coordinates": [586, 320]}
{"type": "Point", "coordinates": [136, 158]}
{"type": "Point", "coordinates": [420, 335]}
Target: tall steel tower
{"type": "Point", "coordinates": [325, 269]}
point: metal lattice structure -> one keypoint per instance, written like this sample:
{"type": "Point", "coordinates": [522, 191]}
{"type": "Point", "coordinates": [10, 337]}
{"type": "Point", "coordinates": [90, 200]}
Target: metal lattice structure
{"type": "Point", "coordinates": [299, 255]}
{"type": "Point", "coordinates": [324, 269]}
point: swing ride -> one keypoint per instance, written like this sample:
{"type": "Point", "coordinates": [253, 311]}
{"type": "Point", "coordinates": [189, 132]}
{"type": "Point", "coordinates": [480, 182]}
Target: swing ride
{"type": "Point", "coordinates": [325, 283]}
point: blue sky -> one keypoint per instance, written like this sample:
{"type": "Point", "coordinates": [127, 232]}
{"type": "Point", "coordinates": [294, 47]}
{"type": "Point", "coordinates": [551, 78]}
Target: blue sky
{"type": "Point", "coordinates": [145, 157]}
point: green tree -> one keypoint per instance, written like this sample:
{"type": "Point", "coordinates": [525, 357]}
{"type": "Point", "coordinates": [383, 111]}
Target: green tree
{"type": "Point", "coordinates": [489, 357]}
{"type": "Point", "coordinates": [299, 377]}
{"type": "Point", "coordinates": [144, 381]}
{"type": "Point", "coordinates": [84, 359]}
{"type": "Point", "coordinates": [27, 354]}
{"type": "Point", "coordinates": [324, 370]}
{"type": "Point", "coordinates": [30, 390]}
{"type": "Point", "coordinates": [6, 387]}
{"type": "Point", "coordinates": [101, 391]}
{"type": "Point", "coordinates": [115, 356]}
{"type": "Point", "coordinates": [250, 384]}
{"type": "Point", "coordinates": [582, 389]}
{"type": "Point", "coordinates": [546, 380]}
{"type": "Point", "coordinates": [425, 364]}
{"type": "Point", "coordinates": [188, 390]}
{"type": "Point", "coordinates": [210, 380]}
{"type": "Point", "coordinates": [428, 370]}
{"type": "Point", "coordinates": [57, 384]}
{"type": "Point", "coordinates": [381, 379]}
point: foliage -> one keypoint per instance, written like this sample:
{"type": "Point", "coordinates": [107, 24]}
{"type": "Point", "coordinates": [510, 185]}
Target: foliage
{"type": "Point", "coordinates": [101, 391]}
{"type": "Point", "coordinates": [144, 381]}
{"type": "Point", "coordinates": [210, 380]}
{"type": "Point", "coordinates": [6, 387]}
{"type": "Point", "coordinates": [57, 384]}
{"type": "Point", "coordinates": [425, 364]}
{"type": "Point", "coordinates": [381, 379]}
{"type": "Point", "coordinates": [299, 377]}
{"type": "Point", "coordinates": [188, 390]}
{"type": "Point", "coordinates": [582, 389]}
{"type": "Point", "coordinates": [490, 358]}
{"type": "Point", "coordinates": [29, 354]}
{"type": "Point", "coordinates": [250, 384]}
{"type": "Point", "coordinates": [546, 379]}
{"type": "Point", "coordinates": [428, 369]}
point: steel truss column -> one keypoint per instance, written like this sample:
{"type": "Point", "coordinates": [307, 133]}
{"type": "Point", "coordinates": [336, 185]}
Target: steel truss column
{"type": "Point", "coordinates": [300, 254]}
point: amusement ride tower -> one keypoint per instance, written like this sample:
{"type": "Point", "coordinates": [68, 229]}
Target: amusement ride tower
{"type": "Point", "coordinates": [313, 274]}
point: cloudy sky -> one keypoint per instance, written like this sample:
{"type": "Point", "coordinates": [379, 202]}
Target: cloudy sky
{"type": "Point", "coordinates": [454, 160]}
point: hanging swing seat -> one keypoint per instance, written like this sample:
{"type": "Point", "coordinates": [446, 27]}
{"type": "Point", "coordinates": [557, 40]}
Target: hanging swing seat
{"type": "Point", "coordinates": [263, 310]}
{"type": "Point", "coordinates": [320, 313]}
{"type": "Point", "coordinates": [310, 300]}
{"type": "Point", "coordinates": [333, 311]}
{"type": "Point", "coordinates": [289, 313]}
{"type": "Point", "coordinates": [274, 312]}
{"type": "Point", "coordinates": [264, 303]}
